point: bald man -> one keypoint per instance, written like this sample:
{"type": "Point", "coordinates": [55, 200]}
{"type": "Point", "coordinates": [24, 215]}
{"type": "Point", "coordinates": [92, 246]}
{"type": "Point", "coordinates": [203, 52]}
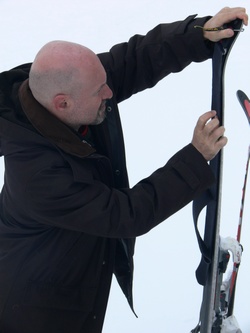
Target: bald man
{"type": "Point", "coordinates": [69, 80]}
{"type": "Point", "coordinates": [68, 219]}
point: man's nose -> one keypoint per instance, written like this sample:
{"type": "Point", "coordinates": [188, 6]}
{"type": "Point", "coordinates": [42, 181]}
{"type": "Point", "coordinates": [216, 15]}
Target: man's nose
{"type": "Point", "coordinates": [107, 93]}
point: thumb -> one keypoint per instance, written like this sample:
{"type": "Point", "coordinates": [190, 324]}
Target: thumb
{"type": "Point", "coordinates": [215, 36]}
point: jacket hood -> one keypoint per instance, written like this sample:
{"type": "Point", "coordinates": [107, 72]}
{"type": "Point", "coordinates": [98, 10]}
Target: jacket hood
{"type": "Point", "coordinates": [21, 116]}
{"type": "Point", "coordinates": [10, 108]}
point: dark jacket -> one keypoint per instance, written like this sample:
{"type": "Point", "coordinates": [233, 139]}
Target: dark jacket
{"type": "Point", "coordinates": [68, 219]}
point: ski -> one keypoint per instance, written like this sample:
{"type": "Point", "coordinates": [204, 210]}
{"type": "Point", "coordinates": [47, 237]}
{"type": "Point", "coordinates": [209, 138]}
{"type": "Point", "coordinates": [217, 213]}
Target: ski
{"type": "Point", "coordinates": [215, 255]}
{"type": "Point", "coordinates": [228, 286]}
{"type": "Point", "coordinates": [245, 103]}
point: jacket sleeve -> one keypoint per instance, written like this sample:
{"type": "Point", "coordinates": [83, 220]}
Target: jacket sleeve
{"type": "Point", "coordinates": [144, 60]}
{"type": "Point", "coordinates": [54, 198]}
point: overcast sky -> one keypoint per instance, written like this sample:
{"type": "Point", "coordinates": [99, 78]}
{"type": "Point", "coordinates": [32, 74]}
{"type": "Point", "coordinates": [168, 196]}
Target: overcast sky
{"type": "Point", "coordinates": [167, 296]}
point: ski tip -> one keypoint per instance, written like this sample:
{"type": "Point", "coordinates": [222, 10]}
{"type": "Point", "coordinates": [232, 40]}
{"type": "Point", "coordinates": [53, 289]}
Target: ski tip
{"type": "Point", "coordinates": [244, 102]}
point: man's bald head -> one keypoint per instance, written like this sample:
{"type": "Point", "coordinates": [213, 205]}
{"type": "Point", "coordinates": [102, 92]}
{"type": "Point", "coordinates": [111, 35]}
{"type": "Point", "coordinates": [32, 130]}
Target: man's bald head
{"type": "Point", "coordinates": [57, 68]}
{"type": "Point", "coordinates": [69, 80]}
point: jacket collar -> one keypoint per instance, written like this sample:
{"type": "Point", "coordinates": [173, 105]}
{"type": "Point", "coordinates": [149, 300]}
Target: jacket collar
{"type": "Point", "coordinates": [50, 127]}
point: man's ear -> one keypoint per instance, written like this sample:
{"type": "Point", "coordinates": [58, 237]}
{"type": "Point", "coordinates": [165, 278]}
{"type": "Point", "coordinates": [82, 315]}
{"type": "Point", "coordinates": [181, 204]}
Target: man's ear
{"type": "Point", "coordinates": [61, 102]}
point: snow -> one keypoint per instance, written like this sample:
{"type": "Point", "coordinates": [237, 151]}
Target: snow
{"type": "Point", "coordinates": [167, 296]}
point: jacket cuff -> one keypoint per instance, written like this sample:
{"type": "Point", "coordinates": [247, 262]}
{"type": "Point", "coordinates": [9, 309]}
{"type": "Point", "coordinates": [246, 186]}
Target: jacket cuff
{"type": "Point", "coordinates": [193, 167]}
{"type": "Point", "coordinates": [208, 45]}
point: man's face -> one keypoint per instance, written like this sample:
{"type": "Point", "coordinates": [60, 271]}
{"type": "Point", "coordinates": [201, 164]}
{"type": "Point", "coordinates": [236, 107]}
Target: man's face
{"type": "Point", "coordinates": [90, 106]}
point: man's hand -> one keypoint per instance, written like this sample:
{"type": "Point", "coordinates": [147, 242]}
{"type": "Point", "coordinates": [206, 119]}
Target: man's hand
{"type": "Point", "coordinates": [208, 136]}
{"type": "Point", "coordinates": [224, 16]}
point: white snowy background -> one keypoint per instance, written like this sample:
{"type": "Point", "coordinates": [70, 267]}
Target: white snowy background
{"type": "Point", "coordinates": [167, 296]}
